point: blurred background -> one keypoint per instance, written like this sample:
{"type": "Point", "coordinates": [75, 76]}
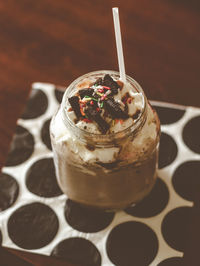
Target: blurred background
{"type": "Point", "coordinates": [57, 41]}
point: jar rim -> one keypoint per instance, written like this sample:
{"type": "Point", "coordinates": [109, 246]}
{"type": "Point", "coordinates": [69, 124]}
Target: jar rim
{"type": "Point", "coordinates": [103, 138]}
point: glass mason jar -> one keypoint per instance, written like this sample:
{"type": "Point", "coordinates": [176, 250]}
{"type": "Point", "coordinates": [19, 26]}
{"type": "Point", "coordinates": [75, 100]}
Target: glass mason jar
{"type": "Point", "coordinates": [107, 171]}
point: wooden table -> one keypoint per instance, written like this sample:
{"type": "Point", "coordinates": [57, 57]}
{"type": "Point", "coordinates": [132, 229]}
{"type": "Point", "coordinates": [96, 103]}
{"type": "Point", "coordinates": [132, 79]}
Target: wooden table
{"type": "Point", "coordinates": [57, 41]}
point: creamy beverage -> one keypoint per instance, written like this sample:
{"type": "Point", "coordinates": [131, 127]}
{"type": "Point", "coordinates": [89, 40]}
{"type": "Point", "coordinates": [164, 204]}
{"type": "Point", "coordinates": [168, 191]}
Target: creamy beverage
{"type": "Point", "coordinates": [105, 139]}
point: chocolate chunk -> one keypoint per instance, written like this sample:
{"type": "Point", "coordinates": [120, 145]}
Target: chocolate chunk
{"type": "Point", "coordinates": [107, 77]}
{"type": "Point", "coordinates": [95, 116]}
{"type": "Point", "coordinates": [74, 102]}
{"type": "Point", "coordinates": [114, 109]}
{"type": "Point", "coordinates": [99, 81]}
{"type": "Point", "coordinates": [86, 92]}
{"type": "Point", "coordinates": [135, 116]}
{"type": "Point", "coordinates": [109, 82]}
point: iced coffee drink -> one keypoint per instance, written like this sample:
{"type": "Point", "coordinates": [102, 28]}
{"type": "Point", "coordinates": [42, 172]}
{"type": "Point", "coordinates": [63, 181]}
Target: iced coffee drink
{"type": "Point", "coordinates": [105, 139]}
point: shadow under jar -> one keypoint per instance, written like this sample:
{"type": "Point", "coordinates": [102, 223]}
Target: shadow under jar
{"type": "Point", "coordinates": [107, 171]}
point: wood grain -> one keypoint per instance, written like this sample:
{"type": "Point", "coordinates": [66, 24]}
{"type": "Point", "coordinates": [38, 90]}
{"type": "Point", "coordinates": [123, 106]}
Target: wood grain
{"type": "Point", "coordinates": [57, 41]}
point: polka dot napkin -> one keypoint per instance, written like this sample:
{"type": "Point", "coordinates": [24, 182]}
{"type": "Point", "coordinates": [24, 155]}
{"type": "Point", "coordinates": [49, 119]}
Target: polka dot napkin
{"type": "Point", "coordinates": [35, 216]}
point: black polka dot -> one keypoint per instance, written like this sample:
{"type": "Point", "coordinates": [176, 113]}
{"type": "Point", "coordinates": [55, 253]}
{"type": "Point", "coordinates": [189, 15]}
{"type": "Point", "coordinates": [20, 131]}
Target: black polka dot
{"type": "Point", "coordinates": [186, 180]}
{"type": "Point", "coordinates": [41, 179]}
{"type": "Point", "coordinates": [168, 150]}
{"type": "Point", "coordinates": [168, 115]}
{"type": "Point", "coordinates": [33, 226]}
{"type": "Point", "coordinates": [153, 204]}
{"type": "Point", "coordinates": [132, 243]}
{"type": "Point", "coordinates": [59, 95]}
{"type": "Point", "coordinates": [36, 105]}
{"type": "Point", "coordinates": [78, 251]}
{"type": "Point", "coordinates": [191, 134]}
{"type": "Point", "coordinates": [86, 219]}
{"type": "Point", "coordinates": [45, 134]}
{"type": "Point", "coordinates": [176, 261]}
{"type": "Point", "coordinates": [180, 228]}
{"type": "Point", "coordinates": [9, 190]}
{"type": "Point", "coordinates": [21, 147]}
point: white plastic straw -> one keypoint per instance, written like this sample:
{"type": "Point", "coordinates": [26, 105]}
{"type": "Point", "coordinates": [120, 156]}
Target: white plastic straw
{"type": "Point", "coordinates": [119, 44]}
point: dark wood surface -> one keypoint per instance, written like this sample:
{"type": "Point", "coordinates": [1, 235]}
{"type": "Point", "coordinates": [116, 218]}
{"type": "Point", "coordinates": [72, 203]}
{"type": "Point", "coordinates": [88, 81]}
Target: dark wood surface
{"type": "Point", "coordinates": [57, 41]}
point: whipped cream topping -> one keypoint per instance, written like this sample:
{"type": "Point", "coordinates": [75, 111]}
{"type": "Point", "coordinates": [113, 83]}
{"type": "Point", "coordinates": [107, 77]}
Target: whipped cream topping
{"type": "Point", "coordinates": [127, 98]}
{"type": "Point", "coordinates": [67, 144]}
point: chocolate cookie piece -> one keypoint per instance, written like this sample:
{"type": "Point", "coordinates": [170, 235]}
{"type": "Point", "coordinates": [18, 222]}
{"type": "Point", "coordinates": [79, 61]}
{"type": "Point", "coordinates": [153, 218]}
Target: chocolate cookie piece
{"type": "Point", "coordinates": [9, 190]}
{"type": "Point", "coordinates": [21, 148]}
{"type": "Point", "coordinates": [109, 82]}
{"type": "Point", "coordinates": [94, 115]}
{"type": "Point", "coordinates": [86, 92]}
{"type": "Point", "coordinates": [36, 105]}
{"type": "Point", "coordinates": [32, 226]}
{"type": "Point", "coordinates": [98, 82]}
{"type": "Point", "coordinates": [45, 136]}
{"type": "Point", "coordinates": [41, 179]}
{"type": "Point", "coordinates": [74, 102]}
{"type": "Point", "coordinates": [113, 108]}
